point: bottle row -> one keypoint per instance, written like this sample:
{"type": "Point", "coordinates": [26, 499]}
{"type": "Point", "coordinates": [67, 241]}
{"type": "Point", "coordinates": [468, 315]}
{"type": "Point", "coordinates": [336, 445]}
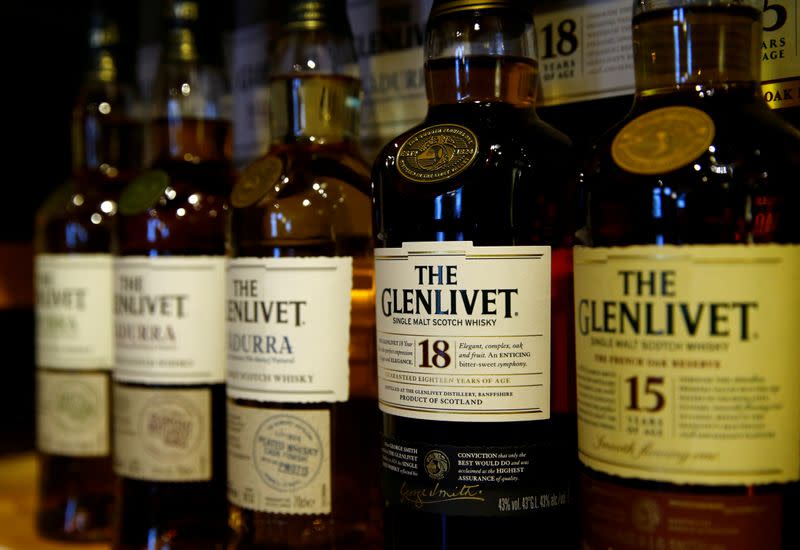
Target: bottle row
{"type": "Point", "coordinates": [488, 336]}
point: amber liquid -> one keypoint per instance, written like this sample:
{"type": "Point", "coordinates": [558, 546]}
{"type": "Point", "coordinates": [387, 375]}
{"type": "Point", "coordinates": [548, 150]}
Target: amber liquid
{"type": "Point", "coordinates": [187, 515]}
{"type": "Point", "coordinates": [321, 207]}
{"type": "Point", "coordinates": [516, 192]}
{"type": "Point", "coordinates": [742, 190]}
{"type": "Point", "coordinates": [76, 494]}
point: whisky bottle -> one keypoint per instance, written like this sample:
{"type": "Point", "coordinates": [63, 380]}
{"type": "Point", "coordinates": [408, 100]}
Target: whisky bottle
{"type": "Point", "coordinates": [388, 37]}
{"type": "Point", "coordinates": [303, 422]}
{"type": "Point", "coordinates": [473, 213]}
{"type": "Point", "coordinates": [780, 58]}
{"type": "Point", "coordinates": [585, 64]}
{"type": "Point", "coordinates": [73, 281]}
{"type": "Point", "coordinates": [686, 298]}
{"type": "Point", "coordinates": [169, 395]}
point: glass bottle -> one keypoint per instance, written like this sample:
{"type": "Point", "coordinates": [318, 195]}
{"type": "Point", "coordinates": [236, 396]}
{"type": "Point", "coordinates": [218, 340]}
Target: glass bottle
{"type": "Point", "coordinates": [74, 232]}
{"type": "Point", "coordinates": [474, 221]}
{"type": "Point", "coordinates": [302, 416]}
{"type": "Point", "coordinates": [686, 297]}
{"type": "Point", "coordinates": [169, 393]}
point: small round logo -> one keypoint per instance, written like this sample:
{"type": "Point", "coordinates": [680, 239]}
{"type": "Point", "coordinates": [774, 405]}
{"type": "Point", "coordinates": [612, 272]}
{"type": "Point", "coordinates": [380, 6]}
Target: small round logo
{"type": "Point", "coordinates": [646, 514]}
{"type": "Point", "coordinates": [436, 464]}
{"type": "Point", "coordinates": [256, 181]}
{"type": "Point", "coordinates": [663, 140]}
{"type": "Point", "coordinates": [76, 406]}
{"type": "Point", "coordinates": [437, 153]}
{"type": "Point", "coordinates": [287, 452]}
{"type": "Point", "coordinates": [171, 428]}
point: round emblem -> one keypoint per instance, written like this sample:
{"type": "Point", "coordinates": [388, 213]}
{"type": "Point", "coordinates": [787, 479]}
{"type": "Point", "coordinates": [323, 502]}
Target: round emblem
{"type": "Point", "coordinates": [287, 452]}
{"type": "Point", "coordinates": [256, 181]}
{"type": "Point", "coordinates": [436, 464]}
{"type": "Point", "coordinates": [77, 406]}
{"type": "Point", "coordinates": [437, 153]}
{"type": "Point", "coordinates": [143, 192]}
{"type": "Point", "coordinates": [171, 428]}
{"type": "Point", "coordinates": [663, 140]}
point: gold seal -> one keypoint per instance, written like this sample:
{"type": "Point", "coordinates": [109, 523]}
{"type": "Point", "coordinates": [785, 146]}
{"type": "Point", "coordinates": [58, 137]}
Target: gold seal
{"type": "Point", "coordinates": [256, 181]}
{"type": "Point", "coordinates": [437, 153]}
{"type": "Point", "coordinates": [663, 140]}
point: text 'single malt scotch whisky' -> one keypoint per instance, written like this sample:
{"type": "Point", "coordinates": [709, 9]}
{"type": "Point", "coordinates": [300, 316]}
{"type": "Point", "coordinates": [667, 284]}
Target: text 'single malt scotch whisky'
{"type": "Point", "coordinates": [686, 298]}
{"type": "Point", "coordinates": [780, 58]}
{"type": "Point", "coordinates": [303, 421]}
{"type": "Point", "coordinates": [585, 65]}
{"type": "Point", "coordinates": [473, 297]}
{"type": "Point", "coordinates": [73, 280]}
{"type": "Point", "coordinates": [169, 395]}
{"type": "Point", "coordinates": [389, 36]}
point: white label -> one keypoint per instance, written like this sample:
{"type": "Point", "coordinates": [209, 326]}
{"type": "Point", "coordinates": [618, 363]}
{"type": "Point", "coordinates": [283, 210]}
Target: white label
{"type": "Point", "coordinates": [279, 461]}
{"type": "Point", "coordinates": [169, 319]}
{"type": "Point", "coordinates": [389, 36]}
{"type": "Point", "coordinates": [585, 51]}
{"type": "Point", "coordinates": [250, 92]}
{"type": "Point", "coordinates": [73, 311]}
{"type": "Point", "coordinates": [464, 331]}
{"type": "Point", "coordinates": [162, 434]}
{"type": "Point", "coordinates": [780, 55]}
{"type": "Point", "coordinates": [72, 413]}
{"type": "Point", "coordinates": [289, 329]}
{"type": "Point", "coordinates": [687, 362]}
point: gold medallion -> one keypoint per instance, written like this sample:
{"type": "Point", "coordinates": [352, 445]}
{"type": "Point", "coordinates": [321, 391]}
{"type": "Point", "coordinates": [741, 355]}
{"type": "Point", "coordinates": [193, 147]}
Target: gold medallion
{"type": "Point", "coordinates": [256, 181]}
{"type": "Point", "coordinates": [663, 140]}
{"type": "Point", "coordinates": [437, 153]}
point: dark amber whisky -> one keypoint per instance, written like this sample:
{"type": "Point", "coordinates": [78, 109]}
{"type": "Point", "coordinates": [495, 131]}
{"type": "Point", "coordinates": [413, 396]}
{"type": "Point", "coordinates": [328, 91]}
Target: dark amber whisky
{"type": "Point", "coordinates": [473, 226]}
{"type": "Point", "coordinates": [169, 396]}
{"type": "Point", "coordinates": [74, 339]}
{"type": "Point", "coordinates": [686, 298]}
{"type": "Point", "coordinates": [302, 414]}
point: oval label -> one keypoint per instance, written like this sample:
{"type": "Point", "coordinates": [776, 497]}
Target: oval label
{"type": "Point", "coordinates": [143, 192]}
{"type": "Point", "coordinates": [255, 181]}
{"type": "Point", "coordinates": [663, 140]}
{"type": "Point", "coordinates": [437, 153]}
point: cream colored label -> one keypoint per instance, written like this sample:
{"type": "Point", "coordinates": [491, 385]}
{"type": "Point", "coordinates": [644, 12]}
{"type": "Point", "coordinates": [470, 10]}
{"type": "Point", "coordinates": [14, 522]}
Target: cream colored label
{"type": "Point", "coordinates": [169, 319]}
{"type": "Point", "coordinates": [74, 312]}
{"type": "Point", "coordinates": [279, 460]}
{"type": "Point", "coordinates": [687, 362]}
{"type": "Point", "coordinates": [780, 54]}
{"type": "Point", "coordinates": [72, 413]}
{"type": "Point", "coordinates": [463, 331]}
{"type": "Point", "coordinates": [584, 50]}
{"type": "Point", "coordinates": [162, 434]}
{"type": "Point", "coordinates": [288, 322]}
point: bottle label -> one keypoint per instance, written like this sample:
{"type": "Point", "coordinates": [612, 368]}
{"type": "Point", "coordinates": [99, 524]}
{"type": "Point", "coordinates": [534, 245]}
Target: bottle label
{"type": "Point", "coordinates": [73, 311]}
{"type": "Point", "coordinates": [584, 50]}
{"type": "Point", "coordinates": [631, 519]}
{"type": "Point", "coordinates": [687, 362]}
{"type": "Point", "coordinates": [279, 461]}
{"type": "Point", "coordinates": [473, 481]}
{"type": "Point", "coordinates": [169, 319]}
{"type": "Point", "coordinates": [780, 57]}
{"type": "Point", "coordinates": [389, 37]}
{"type": "Point", "coordinates": [162, 434]}
{"type": "Point", "coordinates": [289, 329]}
{"type": "Point", "coordinates": [463, 331]}
{"type": "Point", "coordinates": [72, 413]}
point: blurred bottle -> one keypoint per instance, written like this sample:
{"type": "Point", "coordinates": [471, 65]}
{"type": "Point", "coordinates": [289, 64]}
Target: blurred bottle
{"type": "Point", "coordinates": [389, 36]}
{"type": "Point", "coordinates": [74, 232]}
{"type": "Point", "coordinates": [169, 397]}
{"type": "Point", "coordinates": [302, 411]}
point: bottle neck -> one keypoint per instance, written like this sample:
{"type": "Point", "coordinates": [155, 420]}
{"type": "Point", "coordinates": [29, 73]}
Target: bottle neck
{"type": "Point", "coordinates": [697, 48]}
{"type": "Point", "coordinates": [186, 122]}
{"type": "Point", "coordinates": [480, 56]}
{"type": "Point", "coordinates": [315, 93]}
